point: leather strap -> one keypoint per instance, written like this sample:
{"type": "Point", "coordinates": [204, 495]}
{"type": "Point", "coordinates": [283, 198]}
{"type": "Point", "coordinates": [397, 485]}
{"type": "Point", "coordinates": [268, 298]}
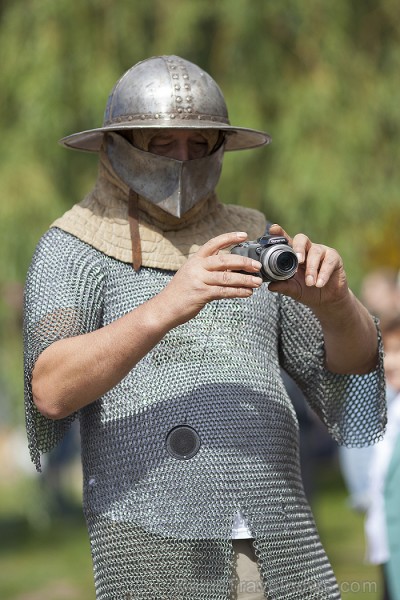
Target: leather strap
{"type": "Point", "coordinates": [133, 218]}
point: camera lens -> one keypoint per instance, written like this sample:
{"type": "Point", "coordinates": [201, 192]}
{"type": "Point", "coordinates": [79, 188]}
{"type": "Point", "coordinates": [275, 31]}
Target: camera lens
{"type": "Point", "coordinates": [285, 262]}
{"type": "Point", "coordinates": [279, 263]}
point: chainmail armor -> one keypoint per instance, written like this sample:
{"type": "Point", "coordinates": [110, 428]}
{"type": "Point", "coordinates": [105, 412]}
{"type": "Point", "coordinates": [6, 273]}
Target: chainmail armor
{"type": "Point", "coordinates": [160, 528]}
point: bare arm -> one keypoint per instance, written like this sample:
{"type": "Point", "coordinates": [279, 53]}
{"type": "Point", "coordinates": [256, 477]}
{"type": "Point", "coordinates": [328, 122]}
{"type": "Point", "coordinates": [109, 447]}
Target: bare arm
{"type": "Point", "coordinates": [74, 372]}
{"type": "Point", "coordinates": [351, 342]}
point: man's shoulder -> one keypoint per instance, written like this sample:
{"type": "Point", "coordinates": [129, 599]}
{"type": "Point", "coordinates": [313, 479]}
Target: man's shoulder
{"type": "Point", "coordinates": [242, 218]}
{"type": "Point", "coordinates": [242, 210]}
{"type": "Point", "coordinates": [56, 244]}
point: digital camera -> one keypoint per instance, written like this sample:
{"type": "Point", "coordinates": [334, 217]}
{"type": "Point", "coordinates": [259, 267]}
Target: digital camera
{"type": "Point", "coordinates": [278, 259]}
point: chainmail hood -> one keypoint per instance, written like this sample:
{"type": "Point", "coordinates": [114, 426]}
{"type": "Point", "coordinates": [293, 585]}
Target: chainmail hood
{"type": "Point", "coordinates": [101, 220]}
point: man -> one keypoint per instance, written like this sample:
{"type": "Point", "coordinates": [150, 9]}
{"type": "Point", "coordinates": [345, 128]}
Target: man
{"type": "Point", "coordinates": [169, 347]}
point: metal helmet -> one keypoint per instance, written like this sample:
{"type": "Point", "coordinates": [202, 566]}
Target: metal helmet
{"type": "Point", "coordinates": [166, 92]}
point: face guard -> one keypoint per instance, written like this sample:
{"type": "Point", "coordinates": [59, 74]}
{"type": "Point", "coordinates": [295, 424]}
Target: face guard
{"type": "Point", "coordinates": [173, 185]}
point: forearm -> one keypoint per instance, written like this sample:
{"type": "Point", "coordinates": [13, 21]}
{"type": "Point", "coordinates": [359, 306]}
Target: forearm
{"type": "Point", "coordinates": [73, 372]}
{"type": "Point", "coordinates": [350, 336]}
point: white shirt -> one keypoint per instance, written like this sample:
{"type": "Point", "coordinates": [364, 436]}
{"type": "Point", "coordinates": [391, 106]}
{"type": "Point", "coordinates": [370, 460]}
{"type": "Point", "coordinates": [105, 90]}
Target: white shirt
{"type": "Point", "coordinates": [240, 528]}
{"type": "Point", "coordinates": [375, 523]}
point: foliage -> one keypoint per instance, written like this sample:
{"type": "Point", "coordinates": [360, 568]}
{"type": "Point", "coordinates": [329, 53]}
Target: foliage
{"type": "Point", "coordinates": [321, 77]}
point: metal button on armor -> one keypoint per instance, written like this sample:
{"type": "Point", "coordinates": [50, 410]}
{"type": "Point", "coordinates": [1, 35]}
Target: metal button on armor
{"type": "Point", "coordinates": [183, 442]}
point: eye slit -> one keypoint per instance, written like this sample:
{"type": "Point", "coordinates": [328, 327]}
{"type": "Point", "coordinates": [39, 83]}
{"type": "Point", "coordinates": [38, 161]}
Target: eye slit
{"type": "Point", "coordinates": [160, 146]}
{"type": "Point", "coordinates": [160, 142]}
{"type": "Point", "coordinates": [198, 139]}
{"type": "Point", "coordinates": [199, 148]}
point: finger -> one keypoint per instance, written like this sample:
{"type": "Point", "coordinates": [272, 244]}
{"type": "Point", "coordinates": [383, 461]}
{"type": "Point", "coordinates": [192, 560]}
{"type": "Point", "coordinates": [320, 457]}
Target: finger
{"type": "Point", "coordinates": [231, 262]}
{"type": "Point", "coordinates": [221, 241]}
{"type": "Point", "coordinates": [232, 279]}
{"type": "Point", "coordinates": [276, 229]}
{"type": "Point", "coordinates": [224, 292]}
{"type": "Point", "coordinates": [301, 245]}
{"type": "Point", "coordinates": [314, 260]}
{"type": "Point", "coordinates": [331, 263]}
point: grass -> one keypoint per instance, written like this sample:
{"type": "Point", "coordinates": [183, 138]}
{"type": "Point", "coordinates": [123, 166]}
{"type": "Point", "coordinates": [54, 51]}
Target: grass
{"type": "Point", "coordinates": [43, 558]}
{"type": "Point", "coordinates": [51, 564]}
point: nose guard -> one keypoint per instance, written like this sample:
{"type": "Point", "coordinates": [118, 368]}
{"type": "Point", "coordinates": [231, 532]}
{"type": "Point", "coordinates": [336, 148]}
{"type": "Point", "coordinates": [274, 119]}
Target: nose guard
{"type": "Point", "coordinates": [175, 186]}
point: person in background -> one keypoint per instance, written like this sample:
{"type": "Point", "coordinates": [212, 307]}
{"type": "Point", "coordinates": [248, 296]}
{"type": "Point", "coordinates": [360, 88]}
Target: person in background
{"type": "Point", "coordinates": [382, 524]}
{"type": "Point", "coordinates": [380, 294]}
{"type": "Point", "coordinates": [168, 348]}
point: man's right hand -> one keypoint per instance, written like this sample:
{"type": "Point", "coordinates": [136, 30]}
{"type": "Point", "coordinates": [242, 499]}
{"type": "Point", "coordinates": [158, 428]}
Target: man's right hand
{"type": "Point", "coordinates": [209, 275]}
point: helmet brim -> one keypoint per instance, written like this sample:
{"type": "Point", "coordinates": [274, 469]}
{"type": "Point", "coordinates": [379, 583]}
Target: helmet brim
{"type": "Point", "coordinates": [238, 138]}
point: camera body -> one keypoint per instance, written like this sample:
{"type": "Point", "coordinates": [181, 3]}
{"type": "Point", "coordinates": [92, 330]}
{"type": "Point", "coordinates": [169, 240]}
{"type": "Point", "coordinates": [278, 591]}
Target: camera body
{"type": "Point", "coordinates": [278, 259]}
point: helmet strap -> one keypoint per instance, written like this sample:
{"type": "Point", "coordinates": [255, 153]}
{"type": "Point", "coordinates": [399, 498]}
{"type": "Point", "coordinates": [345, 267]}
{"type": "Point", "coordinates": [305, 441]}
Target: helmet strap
{"type": "Point", "coordinates": [133, 218]}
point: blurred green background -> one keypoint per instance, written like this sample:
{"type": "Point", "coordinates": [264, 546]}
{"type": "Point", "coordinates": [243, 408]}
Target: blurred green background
{"type": "Point", "coordinates": [321, 77]}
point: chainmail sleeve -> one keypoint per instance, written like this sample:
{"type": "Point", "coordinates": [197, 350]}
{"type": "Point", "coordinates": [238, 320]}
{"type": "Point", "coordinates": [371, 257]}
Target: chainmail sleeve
{"type": "Point", "coordinates": [353, 407]}
{"type": "Point", "coordinates": [63, 294]}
